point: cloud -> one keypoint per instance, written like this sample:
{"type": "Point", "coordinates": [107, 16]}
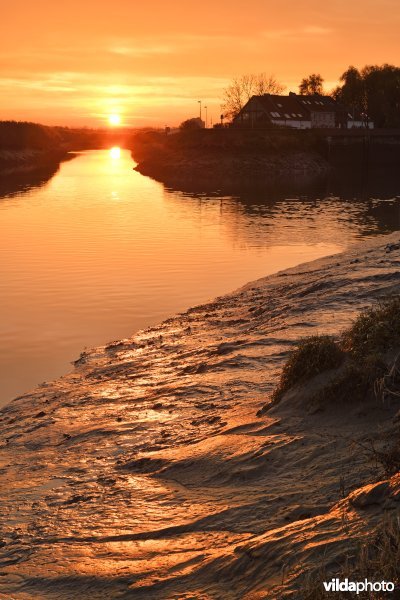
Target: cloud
{"type": "Point", "coordinates": [298, 33]}
{"type": "Point", "coordinates": [315, 30]}
{"type": "Point", "coordinates": [143, 50]}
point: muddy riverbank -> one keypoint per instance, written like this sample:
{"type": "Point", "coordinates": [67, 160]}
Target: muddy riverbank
{"type": "Point", "coordinates": [215, 160]}
{"type": "Point", "coordinates": [150, 472]}
{"type": "Point", "coordinates": [21, 162]}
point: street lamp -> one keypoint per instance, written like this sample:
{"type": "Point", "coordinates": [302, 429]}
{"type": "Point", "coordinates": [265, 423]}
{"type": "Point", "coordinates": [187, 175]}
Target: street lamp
{"type": "Point", "coordinates": [199, 101]}
{"type": "Point", "coordinates": [206, 116]}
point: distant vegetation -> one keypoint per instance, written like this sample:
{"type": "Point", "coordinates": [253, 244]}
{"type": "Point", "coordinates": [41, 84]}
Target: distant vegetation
{"type": "Point", "coordinates": [313, 84]}
{"type": "Point", "coordinates": [23, 135]}
{"type": "Point", "coordinates": [191, 124]}
{"type": "Point", "coordinates": [374, 90]}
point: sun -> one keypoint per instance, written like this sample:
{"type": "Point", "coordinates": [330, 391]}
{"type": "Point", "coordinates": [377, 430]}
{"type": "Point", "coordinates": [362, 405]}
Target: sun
{"type": "Point", "coordinates": [114, 120]}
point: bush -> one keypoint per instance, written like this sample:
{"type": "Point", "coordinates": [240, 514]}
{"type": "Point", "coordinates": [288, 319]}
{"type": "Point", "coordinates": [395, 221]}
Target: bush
{"type": "Point", "coordinates": [190, 124]}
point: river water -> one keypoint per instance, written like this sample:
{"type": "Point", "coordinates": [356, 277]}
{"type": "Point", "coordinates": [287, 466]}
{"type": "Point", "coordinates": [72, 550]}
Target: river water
{"type": "Point", "coordinates": [97, 251]}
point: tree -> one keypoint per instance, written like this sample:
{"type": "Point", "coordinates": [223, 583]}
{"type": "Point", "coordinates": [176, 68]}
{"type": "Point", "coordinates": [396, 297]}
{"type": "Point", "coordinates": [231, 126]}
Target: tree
{"type": "Point", "coordinates": [374, 91]}
{"type": "Point", "coordinates": [191, 124]}
{"type": "Point", "coordinates": [243, 88]}
{"type": "Point", "coordinates": [313, 84]}
{"type": "Point", "coordinates": [352, 91]}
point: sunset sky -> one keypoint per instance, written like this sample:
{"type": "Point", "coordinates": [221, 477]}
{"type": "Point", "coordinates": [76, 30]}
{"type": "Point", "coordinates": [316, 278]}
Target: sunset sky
{"type": "Point", "coordinates": [150, 61]}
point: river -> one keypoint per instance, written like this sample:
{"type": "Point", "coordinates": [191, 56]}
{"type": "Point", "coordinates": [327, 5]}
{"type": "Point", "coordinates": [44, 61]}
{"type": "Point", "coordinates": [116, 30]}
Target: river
{"type": "Point", "coordinates": [98, 251]}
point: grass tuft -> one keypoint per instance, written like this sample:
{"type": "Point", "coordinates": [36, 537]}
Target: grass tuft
{"type": "Point", "coordinates": [376, 330]}
{"type": "Point", "coordinates": [354, 384]}
{"type": "Point", "coordinates": [312, 356]}
{"type": "Point", "coordinates": [363, 348]}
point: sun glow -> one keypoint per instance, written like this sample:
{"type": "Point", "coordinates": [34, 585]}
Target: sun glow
{"type": "Point", "coordinates": [114, 120]}
{"type": "Point", "coordinates": [115, 152]}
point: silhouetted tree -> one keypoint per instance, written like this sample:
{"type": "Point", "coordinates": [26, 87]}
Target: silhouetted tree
{"type": "Point", "coordinates": [20, 135]}
{"type": "Point", "coordinates": [374, 91]}
{"type": "Point", "coordinates": [313, 84]}
{"type": "Point", "coordinates": [191, 124]}
{"type": "Point", "coordinates": [243, 88]}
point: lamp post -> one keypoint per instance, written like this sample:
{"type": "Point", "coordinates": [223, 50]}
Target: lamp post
{"type": "Point", "coordinates": [199, 101]}
{"type": "Point", "coordinates": [206, 116]}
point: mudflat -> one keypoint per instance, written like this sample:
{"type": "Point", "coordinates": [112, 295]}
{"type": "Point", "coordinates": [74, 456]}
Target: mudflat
{"type": "Point", "coordinates": [150, 472]}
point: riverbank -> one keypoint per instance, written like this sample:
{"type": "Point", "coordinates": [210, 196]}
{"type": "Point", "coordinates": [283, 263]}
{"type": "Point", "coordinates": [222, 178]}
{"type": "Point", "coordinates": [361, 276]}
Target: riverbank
{"type": "Point", "coordinates": [223, 159]}
{"type": "Point", "coordinates": [28, 147]}
{"type": "Point", "coordinates": [153, 471]}
{"type": "Point", "coordinates": [15, 162]}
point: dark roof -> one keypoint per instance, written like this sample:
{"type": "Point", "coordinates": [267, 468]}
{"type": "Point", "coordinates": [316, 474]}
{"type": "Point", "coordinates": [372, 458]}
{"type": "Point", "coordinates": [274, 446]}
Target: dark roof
{"type": "Point", "coordinates": [316, 102]}
{"type": "Point", "coordinates": [282, 107]}
{"type": "Point", "coordinates": [290, 108]}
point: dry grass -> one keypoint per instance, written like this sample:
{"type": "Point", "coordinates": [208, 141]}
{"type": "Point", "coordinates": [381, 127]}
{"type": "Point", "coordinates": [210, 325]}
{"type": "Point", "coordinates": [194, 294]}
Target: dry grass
{"type": "Point", "coordinates": [355, 384]}
{"type": "Point", "coordinates": [376, 330]}
{"type": "Point", "coordinates": [363, 348]}
{"type": "Point", "coordinates": [376, 559]}
{"type": "Point", "coordinates": [312, 356]}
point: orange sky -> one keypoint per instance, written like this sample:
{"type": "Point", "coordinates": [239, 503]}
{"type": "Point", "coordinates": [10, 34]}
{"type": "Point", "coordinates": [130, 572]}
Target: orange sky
{"type": "Point", "coordinates": [74, 63]}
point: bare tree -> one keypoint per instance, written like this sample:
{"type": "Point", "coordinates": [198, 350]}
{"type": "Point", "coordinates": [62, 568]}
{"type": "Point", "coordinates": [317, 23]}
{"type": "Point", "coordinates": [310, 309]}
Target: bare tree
{"type": "Point", "coordinates": [243, 88]}
{"type": "Point", "coordinates": [313, 84]}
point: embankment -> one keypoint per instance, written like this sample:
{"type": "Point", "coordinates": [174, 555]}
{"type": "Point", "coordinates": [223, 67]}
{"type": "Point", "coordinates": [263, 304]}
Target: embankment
{"type": "Point", "coordinates": [28, 147]}
{"type": "Point", "coordinates": [15, 162]}
{"type": "Point", "coordinates": [151, 472]}
{"type": "Point", "coordinates": [214, 159]}
{"type": "Point", "coordinates": [234, 159]}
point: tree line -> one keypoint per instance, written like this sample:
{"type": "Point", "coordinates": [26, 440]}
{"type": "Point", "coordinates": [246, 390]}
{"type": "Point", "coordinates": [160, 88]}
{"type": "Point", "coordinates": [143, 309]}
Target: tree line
{"type": "Point", "coordinates": [20, 135]}
{"type": "Point", "coordinates": [373, 91]}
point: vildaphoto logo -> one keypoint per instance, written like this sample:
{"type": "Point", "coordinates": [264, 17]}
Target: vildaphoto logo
{"type": "Point", "coordinates": [337, 585]}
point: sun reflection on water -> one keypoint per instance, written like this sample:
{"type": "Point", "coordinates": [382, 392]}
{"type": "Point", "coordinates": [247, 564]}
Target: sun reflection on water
{"type": "Point", "coordinates": [115, 152]}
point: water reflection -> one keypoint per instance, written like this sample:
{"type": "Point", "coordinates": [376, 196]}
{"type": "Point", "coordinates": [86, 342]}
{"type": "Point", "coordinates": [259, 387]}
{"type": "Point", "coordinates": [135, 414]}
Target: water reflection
{"type": "Point", "coordinates": [347, 183]}
{"type": "Point", "coordinates": [21, 183]}
{"type": "Point", "coordinates": [115, 152]}
{"type": "Point", "coordinates": [99, 251]}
